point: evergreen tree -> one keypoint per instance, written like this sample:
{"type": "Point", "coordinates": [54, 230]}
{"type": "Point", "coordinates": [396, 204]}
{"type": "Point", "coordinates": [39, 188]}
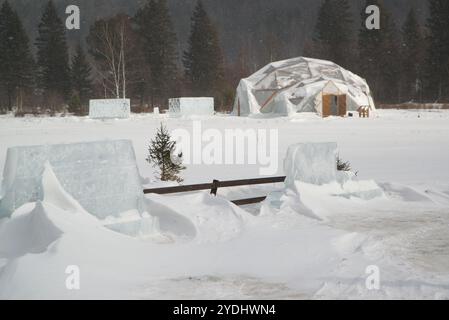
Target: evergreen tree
{"type": "Point", "coordinates": [370, 42]}
{"type": "Point", "coordinates": [81, 76]}
{"type": "Point", "coordinates": [16, 61]}
{"type": "Point", "coordinates": [161, 154]}
{"type": "Point", "coordinates": [203, 61]}
{"type": "Point", "coordinates": [53, 57]}
{"type": "Point", "coordinates": [379, 55]}
{"type": "Point", "coordinates": [391, 62]}
{"type": "Point", "coordinates": [438, 53]}
{"type": "Point", "coordinates": [412, 57]}
{"type": "Point", "coordinates": [333, 32]}
{"type": "Point", "coordinates": [155, 27]}
{"type": "Point", "coordinates": [75, 106]}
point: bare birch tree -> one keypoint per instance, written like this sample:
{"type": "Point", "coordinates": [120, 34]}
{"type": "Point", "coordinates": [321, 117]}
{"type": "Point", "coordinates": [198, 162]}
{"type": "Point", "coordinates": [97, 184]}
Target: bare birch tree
{"type": "Point", "coordinates": [108, 45]}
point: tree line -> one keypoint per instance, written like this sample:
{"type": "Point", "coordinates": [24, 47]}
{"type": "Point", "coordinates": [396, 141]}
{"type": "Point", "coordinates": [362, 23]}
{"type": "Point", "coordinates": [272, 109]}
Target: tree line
{"type": "Point", "coordinates": [400, 63]}
{"type": "Point", "coordinates": [138, 57]}
{"type": "Point", "coordinates": [126, 56]}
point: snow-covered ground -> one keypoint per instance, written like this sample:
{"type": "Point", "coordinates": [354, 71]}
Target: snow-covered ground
{"type": "Point", "coordinates": [223, 251]}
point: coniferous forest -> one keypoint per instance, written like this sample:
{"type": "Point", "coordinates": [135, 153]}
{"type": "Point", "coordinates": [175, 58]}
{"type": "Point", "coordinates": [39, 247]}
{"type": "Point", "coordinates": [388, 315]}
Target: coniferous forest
{"type": "Point", "coordinates": [152, 50]}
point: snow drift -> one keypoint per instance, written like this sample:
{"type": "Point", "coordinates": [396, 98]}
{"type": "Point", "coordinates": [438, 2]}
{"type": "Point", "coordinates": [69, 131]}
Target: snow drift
{"type": "Point", "coordinates": [313, 185]}
{"type": "Point", "coordinates": [102, 176]}
{"type": "Point", "coordinates": [227, 253]}
{"type": "Point", "coordinates": [205, 219]}
{"type": "Point", "coordinates": [101, 179]}
{"type": "Point", "coordinates": [32, 230]}
{"type": "Point", "coordinates": [315, 164]}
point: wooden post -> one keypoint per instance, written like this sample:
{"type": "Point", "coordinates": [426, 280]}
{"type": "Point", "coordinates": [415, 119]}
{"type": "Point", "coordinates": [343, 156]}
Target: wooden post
{"type": "Point", "coordinates": [238, 107]}
{"type": "Point", "coordinates": [214, 189]}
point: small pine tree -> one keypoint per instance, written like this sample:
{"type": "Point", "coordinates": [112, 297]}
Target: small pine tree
{"type": "Point", "coordinates": [75, 106]}
{"type": "Point", "coordinates": [161, 154]}
{"type": "Point", "coordinates": [342, 165]}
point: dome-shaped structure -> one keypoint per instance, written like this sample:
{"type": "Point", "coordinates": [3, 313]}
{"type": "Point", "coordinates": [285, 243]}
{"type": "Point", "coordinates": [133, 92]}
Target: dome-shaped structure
{"type": "Point", "coordinates": [302, 85]}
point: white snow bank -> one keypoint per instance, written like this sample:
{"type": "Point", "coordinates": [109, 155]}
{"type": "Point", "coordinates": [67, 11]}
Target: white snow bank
{"type": "Point", "coordinates": [314, 186]}
{"type": "Point", "coordinates": [364, 189]}
{"type": "Point", "coordinates": [48, 238]}
{"type": "Point", "coordinates": [135, 224]}
{"type": "Point", "coordinates": [306, 259]}
{"type": "Point", "coordinates": [321, 201]}
{"type": "Point", "coordinates": [313, 166]}
{"type": "Point", "coordinates": [31, 232]}
{"type": "Point", "coordinates": [205, 218]}
{"type": "Point", "coordinates": [131, 223]}
{"type": "Point", "coordinates": [102, 176]}
{"type": "Point", "coordinates": [55, 194]}
{"type": "Point", "coordinates": [349, 243]}
{"type": "Point", "coordinates": [109, 108]}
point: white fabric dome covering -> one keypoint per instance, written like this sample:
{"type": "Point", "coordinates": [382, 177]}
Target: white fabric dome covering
{"type": "Point", "coordinates": [302, 85]}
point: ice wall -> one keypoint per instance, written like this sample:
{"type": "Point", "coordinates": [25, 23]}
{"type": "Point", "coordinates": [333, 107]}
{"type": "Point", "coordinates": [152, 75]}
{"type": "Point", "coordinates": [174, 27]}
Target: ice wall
{"type": "Point", "coordinates": [311, 170]}
{"type": "Point", "coordinates": [102, 176]}
{"type": "Point", "coordinates": [191, 106]}
{"type": "Point", "coordinates": [109, 108]}
{"type": "Point", "coordinates": [313, 163]}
